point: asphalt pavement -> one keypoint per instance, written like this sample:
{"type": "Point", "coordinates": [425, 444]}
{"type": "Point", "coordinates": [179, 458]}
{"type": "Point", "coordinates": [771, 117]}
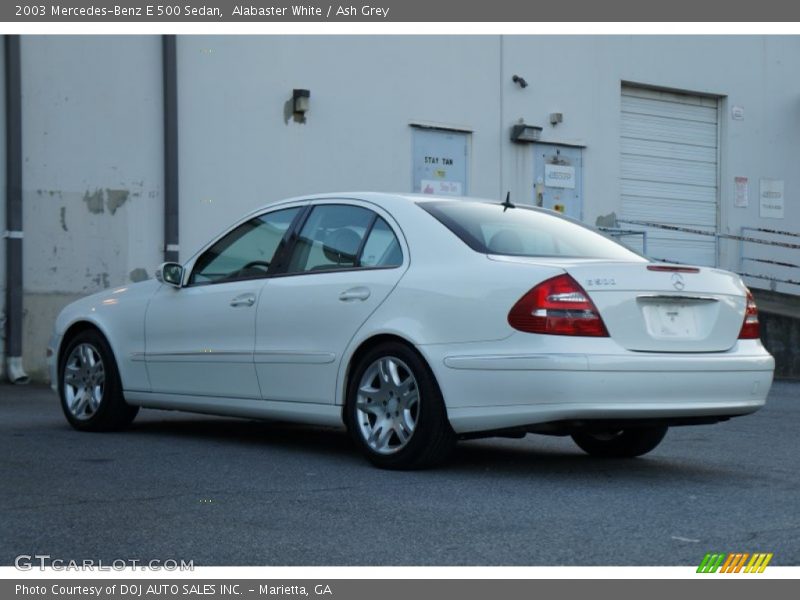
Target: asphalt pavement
{"type": "Point", "coordinates": [222, 491]}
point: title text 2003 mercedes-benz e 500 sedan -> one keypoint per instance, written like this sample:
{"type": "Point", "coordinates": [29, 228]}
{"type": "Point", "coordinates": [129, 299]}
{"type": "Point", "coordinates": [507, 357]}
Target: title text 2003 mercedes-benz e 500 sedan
{"type": "Point", "coordinates": [417, 321]}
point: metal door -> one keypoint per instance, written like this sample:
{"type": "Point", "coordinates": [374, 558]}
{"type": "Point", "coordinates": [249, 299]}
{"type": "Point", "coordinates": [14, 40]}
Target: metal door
{"type": "Point", "coordinates": [440, 160]}
{"type": "Point", "coordinates": [558, 178]}
{"type": "Point", "coordinates": [669, 171]}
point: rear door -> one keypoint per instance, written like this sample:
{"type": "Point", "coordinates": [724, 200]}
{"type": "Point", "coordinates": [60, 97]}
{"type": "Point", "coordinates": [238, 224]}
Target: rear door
{"type": "Point", "coordinates": [343, 262]}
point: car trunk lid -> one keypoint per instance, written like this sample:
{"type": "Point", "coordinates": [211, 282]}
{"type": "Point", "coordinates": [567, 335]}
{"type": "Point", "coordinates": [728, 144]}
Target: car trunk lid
{"type": "Point", "coordinates": [665, 309]}
{"type": "Point", "coordinates": [651, 307]}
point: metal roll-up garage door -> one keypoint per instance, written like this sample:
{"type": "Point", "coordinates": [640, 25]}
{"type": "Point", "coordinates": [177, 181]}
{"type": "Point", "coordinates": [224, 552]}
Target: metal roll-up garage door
{"type": "Point", "coordinates": [669, 171]}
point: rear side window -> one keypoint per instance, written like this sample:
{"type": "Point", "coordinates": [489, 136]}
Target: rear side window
{"type": "Point", "coordinates": [336, 237]}
{"type": "Point", "coordinates": [522, 231]}
{"type": "Point", "coordinates": [382, 248]}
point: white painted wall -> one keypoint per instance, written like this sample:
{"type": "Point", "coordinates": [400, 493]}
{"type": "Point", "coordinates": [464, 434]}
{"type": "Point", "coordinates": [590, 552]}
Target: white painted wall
{"type": "Point", "coordinates": [237, 151]}
{"type": "Point", "coordinates": [92, 174]}
{"type": "Point", "coordinates": [93, 121]}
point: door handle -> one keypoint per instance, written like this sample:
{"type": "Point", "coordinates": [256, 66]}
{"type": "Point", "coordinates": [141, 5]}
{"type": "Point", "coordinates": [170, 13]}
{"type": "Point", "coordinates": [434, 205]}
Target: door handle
{"type": "Point", "coordinates": [356, 293]}
{"type": "Point", "coordinates": [244, 300]}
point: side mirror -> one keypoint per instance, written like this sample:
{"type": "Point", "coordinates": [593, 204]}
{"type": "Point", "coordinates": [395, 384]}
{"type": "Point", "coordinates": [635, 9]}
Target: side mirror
{"type": "Point", "coordinates": [171, 273]}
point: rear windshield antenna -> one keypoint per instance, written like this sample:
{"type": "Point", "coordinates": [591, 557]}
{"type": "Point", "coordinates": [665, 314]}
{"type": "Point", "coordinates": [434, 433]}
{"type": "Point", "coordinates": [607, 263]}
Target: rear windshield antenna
{"type": "Point", "coordinates": [507, 204]}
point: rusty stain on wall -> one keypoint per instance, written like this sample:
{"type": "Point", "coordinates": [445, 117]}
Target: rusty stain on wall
{"type": "Point", "coordinates": [138, 275]}
{"type": "Point", "coordinates": [109, 199]}
{"type": "Point", "coordinates": [101, 279]}
{"type": "Point", "coordinates": [609, 220]}
{"type": "Point", "coordinates": [115, 199]}
{"type": "Point", "coordinates": [94, 201]}
{"type": "Point", "coordinates": [51, 193]}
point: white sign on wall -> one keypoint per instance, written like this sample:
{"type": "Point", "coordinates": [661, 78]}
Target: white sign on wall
{"type": "Point", "coordinates": [771, 199]}
{"type": "Point", "coordinates": [560, 176]}
{"type": "Point", "coordinates": [441, 188]}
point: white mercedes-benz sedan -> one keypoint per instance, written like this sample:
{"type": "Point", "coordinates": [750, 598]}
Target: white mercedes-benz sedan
{"type": "Point", "coordinates": [417, 321]}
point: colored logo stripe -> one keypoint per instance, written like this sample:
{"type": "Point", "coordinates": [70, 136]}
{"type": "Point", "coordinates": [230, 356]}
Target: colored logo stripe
{"type": "Point", "coordinates": [758, 563]}
{"type": "Point", "coordinates": [734, 562]}
{"type": "Point", "coordinates": [710, 563]}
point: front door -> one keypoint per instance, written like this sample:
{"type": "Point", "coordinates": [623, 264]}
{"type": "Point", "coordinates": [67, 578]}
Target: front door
{"type": "Point", "coordinates": [200, 337]}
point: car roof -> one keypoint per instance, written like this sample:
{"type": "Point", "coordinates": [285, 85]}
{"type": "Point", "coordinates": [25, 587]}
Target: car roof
{"type": "Point", "coordinates": [384, 199]}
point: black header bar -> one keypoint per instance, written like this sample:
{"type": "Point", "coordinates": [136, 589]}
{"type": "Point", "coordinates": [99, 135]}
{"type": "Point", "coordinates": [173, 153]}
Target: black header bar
{"type": "Point", "coordinates": [398, 11]}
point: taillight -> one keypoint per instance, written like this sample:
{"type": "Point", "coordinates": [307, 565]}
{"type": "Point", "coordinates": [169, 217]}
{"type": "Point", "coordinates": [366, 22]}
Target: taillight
{"type": "Point", "coordinates": [558, 306]}
{"type": "Point", "coordinates": [750, 329]}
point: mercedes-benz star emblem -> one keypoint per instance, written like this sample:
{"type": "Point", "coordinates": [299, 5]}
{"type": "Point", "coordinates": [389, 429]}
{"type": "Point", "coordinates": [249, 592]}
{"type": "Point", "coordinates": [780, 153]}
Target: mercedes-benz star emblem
{"type": "Point", "coordinates": [677, 281]}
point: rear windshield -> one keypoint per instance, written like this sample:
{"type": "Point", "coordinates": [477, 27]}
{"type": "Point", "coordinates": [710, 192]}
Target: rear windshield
{"type": "Point", "coordinates": [523, 231]}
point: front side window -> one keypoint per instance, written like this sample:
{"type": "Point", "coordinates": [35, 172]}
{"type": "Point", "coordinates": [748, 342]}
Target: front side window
{"type": "Point", "coordinates": [336, 237]}
{"type": "Point", "coordinates": [246, 252]}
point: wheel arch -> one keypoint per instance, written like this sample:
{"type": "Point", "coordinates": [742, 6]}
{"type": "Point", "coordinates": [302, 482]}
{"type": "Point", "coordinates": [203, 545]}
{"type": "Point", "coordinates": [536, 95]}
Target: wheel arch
{"type": "Point", "coordinates": [75, 328]}
{"type": "Point", "coordinates": [365, 346]}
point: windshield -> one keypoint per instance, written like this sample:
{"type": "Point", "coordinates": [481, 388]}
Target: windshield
{"type": "Point", "coordinates": [523, 231]}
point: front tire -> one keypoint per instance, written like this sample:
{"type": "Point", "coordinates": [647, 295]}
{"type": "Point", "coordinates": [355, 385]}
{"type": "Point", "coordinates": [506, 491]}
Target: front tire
{"type": "Point", "coordinates": [90, 386]}
{"type": "Point", "coordinates": [395, 412]}
{"type": "Point", "coordinates": [625, 443]}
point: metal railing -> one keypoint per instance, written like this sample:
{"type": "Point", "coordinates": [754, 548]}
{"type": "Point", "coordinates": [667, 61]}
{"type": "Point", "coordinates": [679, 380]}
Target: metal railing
{"type": "Point", "coordinates": [620, 233]}
{"type": "Point", "coordinates": [748, 235]}
{"type": "Point", "coordinates": [770, 261]}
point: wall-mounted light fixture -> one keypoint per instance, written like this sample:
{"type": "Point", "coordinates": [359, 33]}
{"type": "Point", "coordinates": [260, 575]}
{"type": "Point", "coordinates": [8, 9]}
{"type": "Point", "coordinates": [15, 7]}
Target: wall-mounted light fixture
{"type": "Point", "coordinates": [519, 81]}
{"type": "Point", "coordinates": [556, 118]}
{"type": "Point", "coordinates": [526, 133]}
{"type": "Point", "coordinates": [300, 101]}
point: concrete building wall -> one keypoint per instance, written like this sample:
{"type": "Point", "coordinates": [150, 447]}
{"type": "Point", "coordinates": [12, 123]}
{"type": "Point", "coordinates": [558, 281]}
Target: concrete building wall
{"type": "Point", "coordinates": [92, 132]}
{"type": "Point", "coordinates": [240, 149]}
{"type": "Point", "coordinates": [580, 76]}
{"type": "Point", "coordinates": [92, 172]}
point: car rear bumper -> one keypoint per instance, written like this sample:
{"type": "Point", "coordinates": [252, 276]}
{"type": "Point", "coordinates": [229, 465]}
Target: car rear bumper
{"type": "Point", "coordinates": [490, 391]}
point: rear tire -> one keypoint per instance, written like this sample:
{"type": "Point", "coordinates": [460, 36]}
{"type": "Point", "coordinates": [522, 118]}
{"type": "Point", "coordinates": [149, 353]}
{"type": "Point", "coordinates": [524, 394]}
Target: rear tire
{"type": "Point", "coordinates": [625, 443]}
{"type": "Point", "coordinates": [394, 412]}
{"type": "Point", "coordinates": [90, 387]}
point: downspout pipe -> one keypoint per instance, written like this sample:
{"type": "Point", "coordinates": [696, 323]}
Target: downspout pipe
{"type": "Point", "coordinates": [13, 234]}
{"type": "Point", "coordinates": [170, 71]}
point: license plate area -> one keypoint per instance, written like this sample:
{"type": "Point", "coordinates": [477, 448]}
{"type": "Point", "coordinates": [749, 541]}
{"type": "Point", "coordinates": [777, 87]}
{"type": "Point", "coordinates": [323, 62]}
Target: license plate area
{"type": "Point", "coordinates": [669, 318]}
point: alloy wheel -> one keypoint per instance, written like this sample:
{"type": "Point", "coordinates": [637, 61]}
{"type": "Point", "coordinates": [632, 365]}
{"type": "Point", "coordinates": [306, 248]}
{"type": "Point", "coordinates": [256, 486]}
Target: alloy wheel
{"type": "Point", "coordinates": [387, 405]}
{"type": "Point", "coordinates": [84, 381]}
